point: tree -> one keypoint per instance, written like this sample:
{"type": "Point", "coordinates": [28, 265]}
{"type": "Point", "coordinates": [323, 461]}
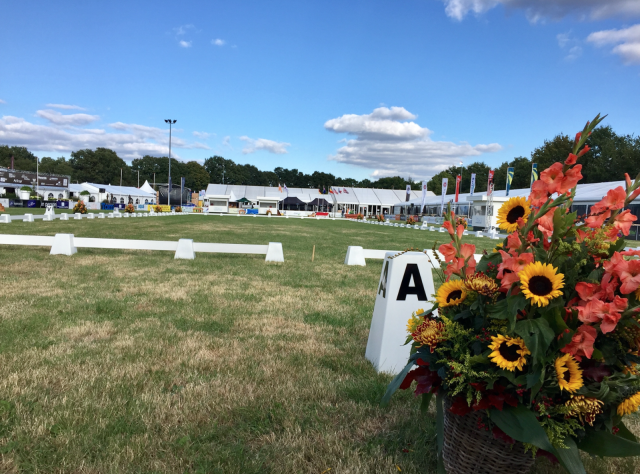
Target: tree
{"type": "Point", "coordinates": [59, 166]}
{"type": "Point", "coordinates": [392, 182]}
{"type": "Point", "coordinates": [435, 184]}
{"type": "Point", "coordinates": [196, 177]}
{"type": "Point", "coordinates": [101, 166]}
{"type": "Point", "coordinates": [557, 149]}
{"type": "Point", "coordinates": [24, 160]}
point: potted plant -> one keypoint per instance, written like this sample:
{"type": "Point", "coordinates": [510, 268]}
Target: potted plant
{"type": "Point", "coordinates": [25, 192]}
{"type": "Point", "coordinates": [129, 209]}
{"type": "Point", "coordinates": [178, 209]}
{"type": "Point", "coordinates": [157, 208]}
{"type": "Point", "coordinates": [80, 208]}
{"type": "Point", "coordinates": [360, 216]}
{"type": "Point", "coordinates": [535, 347]}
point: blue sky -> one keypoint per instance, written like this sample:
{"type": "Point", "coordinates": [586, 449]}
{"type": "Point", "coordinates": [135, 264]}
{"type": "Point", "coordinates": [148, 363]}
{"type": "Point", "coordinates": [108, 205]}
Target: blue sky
{"type": "Point", "coordinates": [356, 88]}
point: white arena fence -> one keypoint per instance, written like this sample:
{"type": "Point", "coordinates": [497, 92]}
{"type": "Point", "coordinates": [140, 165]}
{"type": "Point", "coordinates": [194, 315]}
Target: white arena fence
{"type": "Point", "coordinates": [426, 226]}
{"type": "Point", "coordinates": [357, 255]}
{"type": "Point", "coordinates": [68, 244]}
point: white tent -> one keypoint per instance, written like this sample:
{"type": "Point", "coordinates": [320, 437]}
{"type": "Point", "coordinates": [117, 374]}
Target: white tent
{"type": "Point", "coordinates": [147, 188]}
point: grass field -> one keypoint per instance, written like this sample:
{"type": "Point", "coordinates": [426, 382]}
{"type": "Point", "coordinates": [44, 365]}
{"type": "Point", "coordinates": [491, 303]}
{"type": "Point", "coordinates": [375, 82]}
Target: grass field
{"type": "Point", "coordinates": [131, 361]}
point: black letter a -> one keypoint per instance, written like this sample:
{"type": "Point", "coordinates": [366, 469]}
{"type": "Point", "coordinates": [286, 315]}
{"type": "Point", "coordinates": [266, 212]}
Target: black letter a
{"type": "Point", "coordinates": [405, 289]}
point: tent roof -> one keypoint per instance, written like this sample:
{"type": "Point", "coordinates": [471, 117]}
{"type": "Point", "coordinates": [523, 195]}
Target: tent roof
{"type": "Point", "coordinates": [118, 190]}
{"type": "Point", "coordinates": [147, 187]}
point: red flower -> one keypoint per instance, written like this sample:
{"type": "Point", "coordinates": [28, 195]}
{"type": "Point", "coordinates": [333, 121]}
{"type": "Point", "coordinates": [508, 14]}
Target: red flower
{"type": "Point", "coordinates": [623, 221]}
{"type": "Point", "coordinates": [570, 179]}
{"type": "Point", "coordinates": [502, 436]}
{"type": "Point", "coordinates": [552, 177]}
{"type": "Point", "coordinates": [448, 251]}
{"type": "Point", "coordinates": [629, 276]}
{"type": "Point", "coordinates": [578, 137]}
{"type": "Point", "coordinates": [513, 241]}
{"type": "Point", "coordinates": [581, 343]}
{"type": "Point", "coordinates": [612, 201]}
{"type": "Point", "coordinates": [428, 381]}
{"type": "Point", "coordinates": [597, 221]}
{"type": "Point", "coordinates": [467, 251]}
{"type": "Point", "coordinates": [571, 160]}
{"type": "Point", "coordinates": [607, 314]}
{"type": "Point", "coordinates": [584, 150]}
{"type": "Point", "coordinates": [447, 225]}
{"type": "Point", "coordinates": [460, 407]}
{"type": "Point", "coordinates": [545, 224]}
{"type": "Point", "coordinates": [460, 231]}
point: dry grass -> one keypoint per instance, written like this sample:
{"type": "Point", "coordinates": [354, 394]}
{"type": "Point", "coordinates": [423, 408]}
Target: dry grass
{"type": "Point", "coordinates": [117, 361]}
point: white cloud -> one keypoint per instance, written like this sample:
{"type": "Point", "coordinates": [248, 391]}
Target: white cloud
{"type": "Point", "coordinates": [203, 135]}
{"type": "Point", "coordinates": [65, 107]}
{"type": "Point", "coordinates": [253, 145]}
{"type": "Point", "coordinates": [184, 44]}
{"type": "Point", "coordinates": [570, 45]}
{"type": "Point", "coordinates": [226, 141]}
{"type": "Point", "coordinates": [627, 41]}
{"type": "Point", "coordinates": [134, 141]}
{"type": "Point", "coordinates": [183, 29]}
{"type": "Point", "coordinates": [2, 101]}
{"type": "Point", "coordinates": [537, 10]}
{"type": "Point", "coordinates": [71, 120]}
{"type": "Point", "coordinates": [218, 42]}
{"type": "Point", "coordinates": [391, 147]}
{"type": "Point", "coordinates": [382, 124]}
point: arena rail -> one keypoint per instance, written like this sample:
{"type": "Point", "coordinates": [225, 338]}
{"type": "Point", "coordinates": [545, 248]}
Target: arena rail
{"type": "Point", "coordinates": [68, 244]}
{"type": "Point", "coordinates": [357, 255]}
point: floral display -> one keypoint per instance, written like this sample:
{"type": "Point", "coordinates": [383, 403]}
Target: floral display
{"type": "Point", "coordinates": [129, 209]}
{"type": "Point", "coordinates": [80, 208]}
{"type": "Point", "coordinates": [380, 218]}
{"type": "Point", "coordinates": [411, 220]}
{"type": "Point", "coordinates": [157, 208]}
{"type": "Point", "coordinates": [360, 216]}
{"type": "Point", "coordinates": [178, 209]}
{"type": "Point", "coordinates": [540, 338]}
{"type": "Point", "coordinates": [461, 221]}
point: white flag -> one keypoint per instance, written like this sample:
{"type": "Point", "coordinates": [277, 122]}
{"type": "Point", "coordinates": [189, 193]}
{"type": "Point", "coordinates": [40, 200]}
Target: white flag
{"type": "Point", "coordinates": [424, 195]}
{"type": "Point", "coordinates": [445, 182]}
{"type": "Point", "coordinates": [473, 183]}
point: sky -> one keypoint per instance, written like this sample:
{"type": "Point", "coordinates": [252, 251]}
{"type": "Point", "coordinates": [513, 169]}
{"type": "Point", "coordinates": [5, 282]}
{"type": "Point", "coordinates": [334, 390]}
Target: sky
{"type": "Point", "coordinates": [357, 88]}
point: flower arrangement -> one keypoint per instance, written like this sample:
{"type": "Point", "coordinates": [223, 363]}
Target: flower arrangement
{"type": "Point", "coordinates": [461, 221]}
{"type": "Point", "coordinates": [129, 209]}
{"type": "Point", "coordinates": [360, 216]}
{"type": "Point", "coordinates": [539, 340]}
{"type": "Point", "coordinates": [80, 208]}
{"type": "Point", "coordinates": [380, 218]}
{"type": "Point", "coordinates": [178, 209]}
{"type": "Point", "coordinates": [411, 220]}
{"type": "Point", "coordinates": [158, 208]}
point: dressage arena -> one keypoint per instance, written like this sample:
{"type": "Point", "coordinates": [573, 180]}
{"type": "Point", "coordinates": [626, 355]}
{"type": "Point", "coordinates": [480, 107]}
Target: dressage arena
{"type": "Point", "coordinates": [121, 360]}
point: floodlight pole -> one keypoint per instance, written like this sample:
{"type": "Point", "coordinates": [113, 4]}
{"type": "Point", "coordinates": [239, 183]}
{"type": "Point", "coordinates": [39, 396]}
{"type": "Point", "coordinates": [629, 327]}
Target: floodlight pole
{"type": "Point", "coordinates": [170, 122]}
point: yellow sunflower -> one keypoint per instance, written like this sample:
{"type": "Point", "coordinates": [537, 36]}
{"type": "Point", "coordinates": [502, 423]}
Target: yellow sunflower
{"type": "Point", "coordinates": [540, 283]}
{"type": "Point", "coordinates": [508, 352]}
{"type": "Point", "coordinates": [451, 293]}
{"type": "Point", "coordinates": [414, 321]}
{"type": "Point", "coordinates": [629, 405]}
{"type": "Point", "coordinates": [511, 211]}
{"type": "Point", "coordinates": [569, 373]}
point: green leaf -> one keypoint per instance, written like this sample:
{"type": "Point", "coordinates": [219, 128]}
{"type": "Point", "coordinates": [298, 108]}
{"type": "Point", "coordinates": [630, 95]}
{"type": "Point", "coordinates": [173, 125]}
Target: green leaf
{"type": "Point", "coordinates": [397, 381]}
{"type": "Point", "coordinates": [625, 433]}
{"type": "Point", "coordinates": [515, 303]}
{"type": "Point", "coordinates": [499, 310]}
{"type": "Point", "coordinates": [494, 257]}
{"type": "Point", "coordinates": [603, 443]}
{"type": "Point", "coordinates": [479, 359]}
{"type": "Point", "coordinates": [426, 400]}
{"type": "Point", "coordinates": [570, 457]}
{"type": "Point", "coordinates": [537, 336]}
{"type": "Point", "coordinates": [534, 377]}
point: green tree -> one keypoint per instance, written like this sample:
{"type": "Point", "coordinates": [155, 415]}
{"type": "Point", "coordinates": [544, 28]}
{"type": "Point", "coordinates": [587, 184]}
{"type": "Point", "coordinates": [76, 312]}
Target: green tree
{"type": "Point", "coordinates": [554, 150]}
{"type": "Point", "coordinates": [196, 177]}
{"type": "Point", "coordinates": [59, 166]}
{"type": "Point", "coordinates": [435, 184]}
{"type": "Point", "coordinates": [101, 166]}
{"type": "Point", "coordinates": [24, 160]}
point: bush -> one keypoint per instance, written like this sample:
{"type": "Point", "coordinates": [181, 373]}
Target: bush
{"type": "Point", "coordinates": [85, 193]}
{"type": "Point", "coordinates": [129, 209]}
{"type": "Point", "coordinates": [25, 188]}
{"type": "Point", "coordinates": [411, 220]}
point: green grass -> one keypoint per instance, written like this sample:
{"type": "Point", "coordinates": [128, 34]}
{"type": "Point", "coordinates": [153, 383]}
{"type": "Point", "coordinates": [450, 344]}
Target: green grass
{"type": "Point", "coordinates": [131, 361]}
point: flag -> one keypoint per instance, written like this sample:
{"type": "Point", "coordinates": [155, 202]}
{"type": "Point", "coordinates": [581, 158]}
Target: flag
{"type": "Point", "coordinates": [345, 191]}
{"type": "Point", "coordinates": [458, 179]}
{"type": "Point", "coordinates": [181, 186]}
{"type": "Point", "coordinates": [324, 190]}
{"type": "Point", "coordinates": [340, 190]}
{"type": "Point", "coordinates": [330, 191]}
{"type": "Point", "coordinates": [445, 182]}
{"type": "Point", "coordinates": [286, 189]}
{"type": "Point", "coordinates": [424, 196]}
{"type": "Point", "coordinates": [490, 183]}
{"type": "Point", "coordinates": [473, 184]}
{"type": "Point", "coordinates": [279, 187]}
{"type": "Point", "coordinates": [510, 172]}
{"type": "Point", "coordinates": [534, 173]}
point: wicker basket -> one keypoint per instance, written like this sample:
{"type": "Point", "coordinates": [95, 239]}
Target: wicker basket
{"type": "Point", "coordinates": [468, 450]}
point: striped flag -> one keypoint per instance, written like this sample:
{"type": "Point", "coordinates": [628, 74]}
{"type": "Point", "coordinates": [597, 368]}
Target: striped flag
{"type": "Point", "coordinates": [510, 172]}
{"type": "Point", "coordinates": [534, 173]}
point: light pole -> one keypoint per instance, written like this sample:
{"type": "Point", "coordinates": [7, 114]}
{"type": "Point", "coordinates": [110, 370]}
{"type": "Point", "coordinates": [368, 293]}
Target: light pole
{"type": "Point", "coordinates": [170, 122]}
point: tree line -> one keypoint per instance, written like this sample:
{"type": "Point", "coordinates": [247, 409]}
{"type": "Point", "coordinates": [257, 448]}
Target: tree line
{"type": "Point", "coordinates": [611, 155]}
{"type": "Point", "coordinates": [609, 158]}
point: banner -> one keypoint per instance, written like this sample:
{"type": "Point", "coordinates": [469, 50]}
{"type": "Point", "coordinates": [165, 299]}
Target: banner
{"type": "Point", "coordinates": [473, 184]}
{"type": "Point", "coordinates": [181, 189]}
{"type": "Point", "coordinates": [424, 196]}
{"type": "Point", "coordinates": [9, 177]}
{"type": "Point", "coordinates": [458, 179]}
{"type": "Point", "coordinates": [490, 183]}
{"type": "Point", "coordinates": [408, 192]}
{"type": "Point", "coordinates": [510, 172]}
{"type": "Point", "coordinates": [534, 173]}
{"type": "Point", "coordinates": [445, 182]}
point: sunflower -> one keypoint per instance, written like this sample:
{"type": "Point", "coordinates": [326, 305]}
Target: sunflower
{"type": "Point", "coordinates": [569, 373]}
{"type": "Point", "coordinates": [540, 282]}
{"type": "Point", "coordinates": [508, 352]}
{"type": "Point", "coordinates": [481, 283]}
{"type": "Point", "coordinates": [511, 211]}
{"type": "Point", "coordinates": [585, 408]}
{"type": "Point", "coordinates": [451, 293]}
{"type": "Point", "coordinates": [629, 405]}
{"type": "Point", "coordinates": [414, 321]}
{"type": "Point", "coordinates": [429, 333]}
